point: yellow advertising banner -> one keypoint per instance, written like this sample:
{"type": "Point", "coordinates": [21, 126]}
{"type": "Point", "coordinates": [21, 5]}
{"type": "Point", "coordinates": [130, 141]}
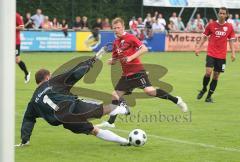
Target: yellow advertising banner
{"type": "Point", "coordinates": [187, 42]}
{"type": "Point", "coordinates": [82, 41]}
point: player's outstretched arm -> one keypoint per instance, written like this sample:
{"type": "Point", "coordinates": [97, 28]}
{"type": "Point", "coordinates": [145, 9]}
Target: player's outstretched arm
{"type": "Point", "coordinates": [200, 44]}
{"type": "Point", "coordinates": [141, 51]}
{"type": "Point", "coordinates": [231, 44]}
{"type": "Point", "coordinates": [101, 52]}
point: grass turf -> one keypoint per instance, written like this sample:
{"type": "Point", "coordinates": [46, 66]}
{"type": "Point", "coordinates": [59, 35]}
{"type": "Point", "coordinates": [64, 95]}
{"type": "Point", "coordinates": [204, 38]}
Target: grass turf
{"type": "Point", "coordinates": [210, 135]}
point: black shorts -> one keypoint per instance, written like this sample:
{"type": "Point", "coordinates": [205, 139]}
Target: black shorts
{"type": "Point", "coordinates": [17, 52]}
{"type": "Point", "coordinates": [75, 116]}
{"type": "Point", "coordinates": [129, 83]}
{"type": "Point", "coordinates": [216, 63]}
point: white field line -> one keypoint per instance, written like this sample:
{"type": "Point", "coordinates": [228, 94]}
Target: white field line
{"type": "Point", "coordinates": [186, 142]}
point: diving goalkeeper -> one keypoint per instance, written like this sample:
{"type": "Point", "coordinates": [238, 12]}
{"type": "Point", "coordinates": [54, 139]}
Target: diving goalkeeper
{"type": "Point", "coordinates": [53, 101]}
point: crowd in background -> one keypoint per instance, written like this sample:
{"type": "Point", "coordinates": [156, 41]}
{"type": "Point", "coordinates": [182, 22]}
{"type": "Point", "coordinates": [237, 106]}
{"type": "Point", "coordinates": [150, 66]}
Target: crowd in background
{"type": "Point", "coordinates": [41, 21]}
{"type": "Point", "coordinates": [142, 28]}
{"type": "Point", "coordinates": [157, 23]}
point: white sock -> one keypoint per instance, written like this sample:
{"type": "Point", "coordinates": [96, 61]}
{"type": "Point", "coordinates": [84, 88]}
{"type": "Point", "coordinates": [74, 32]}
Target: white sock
{"type": "Point", "coordinates": [108, 135]}
{"type": "Point", "coordinates": [118, 110]}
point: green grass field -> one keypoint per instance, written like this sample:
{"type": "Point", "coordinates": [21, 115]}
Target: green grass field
{"type": "Point", "coordinates": [210, 135]}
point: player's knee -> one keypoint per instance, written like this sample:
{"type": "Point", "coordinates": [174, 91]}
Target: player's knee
{"type": "Point", "coordinates": [115, 95]}
{"type": "Point", "coordinates": [17, 60]}
{"type": "Point", "coordinates": [216, 75]}
{"type": "Point", "coordinates": [208, 74]}
{"type": "Point", "coordinates": [150, 92]}
{"type": "Point", "coordinates": [95, 131]}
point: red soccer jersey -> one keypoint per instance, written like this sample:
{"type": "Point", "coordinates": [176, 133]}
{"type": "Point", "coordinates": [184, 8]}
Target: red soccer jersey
{"type": "Point", "coordinates": [19, 21]}
{"type": "Point", "coordinates": [219, 34]}
{"type": "Point", "coordinates": [126, 46]}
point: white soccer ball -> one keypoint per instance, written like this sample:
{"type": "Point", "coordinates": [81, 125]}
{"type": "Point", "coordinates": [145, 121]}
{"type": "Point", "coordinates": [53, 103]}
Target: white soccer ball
{"type": "Point", "coordinates": [137, 137]}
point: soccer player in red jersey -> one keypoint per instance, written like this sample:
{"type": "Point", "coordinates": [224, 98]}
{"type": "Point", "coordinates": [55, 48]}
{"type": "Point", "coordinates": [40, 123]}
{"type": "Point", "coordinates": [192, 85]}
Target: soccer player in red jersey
{"type": "Point", "coordinates": [21, 64]}
{"type": "Point", "coordinates": [218, 32]}
{"type": "Point", "coordinates": [127, 49]}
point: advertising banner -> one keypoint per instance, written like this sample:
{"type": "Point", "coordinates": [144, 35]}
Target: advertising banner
{"type": "Point", "coordinates": [86, 42]}
{"type": "Point", "coordinates": [47, 41]}
{"type": "Point", "coordinates": [83, 41]}
{"type": "Point", "coordinates": [156, 43]}
{"type": "Point", "coordinates": [187, 42]}
{"type": "Point", "coordinates": [193, 3]}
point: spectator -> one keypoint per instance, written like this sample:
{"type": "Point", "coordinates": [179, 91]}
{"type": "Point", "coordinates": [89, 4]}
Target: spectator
{"type": "Point", "coordinates": [191, 27]}
{"type": "Point", "coordinates": [28, 24]}
{"type": "Point", "coordinates": [155, 15]}
{"type": "Point", "coordinates": [156, 26]}
{"type": "Point", "coordinates": [106, 25]}
{"type": "Point", "coordinates": [46, 24]}
{"type": "Point", "coordinates": [148, 17]}
{"type": "Point", "coordinates": [210, 21]}
{"type": "Point", "coordinates": [38, 18]}
{"type": "Point", "coordinates": [141, 28]}
{"type": "Point", "coordinates": [77, 25]}
{"type": "Point", "coordinates": [55, 24]}
{"type": "Point", "coordinates": [97, 24]}
{"type": "Point", "coordinates": [236, 25]}
{"type": "Point", "coordinates": [148, 27]}
{"type": "Point", "coordinates": [172, 27]}
{"type": "Point", "coordinates": [64, 27]}
{"type": "Point", "coordinates": [85, 25]}
{"type": "Point", "coordinates": [173, 18]}
{"type": "Point", "coordinates": [133, 26]}
{"type": "Point", "coordinates": [96, 27]}
{"type": "Point", "coordinates": [140, 23]}
{"type": "Point", "coordinates": [161, 20]}
{"type": "Point", "coordinates": [199, 23]}
{"type": "Point", "coordinates": [230, 20]}
{"type": "Point", "coordinates": [180, 24]}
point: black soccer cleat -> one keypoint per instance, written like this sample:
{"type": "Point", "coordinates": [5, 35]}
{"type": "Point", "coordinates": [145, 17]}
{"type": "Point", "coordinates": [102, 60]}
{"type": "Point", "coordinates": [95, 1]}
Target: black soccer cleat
{"type": "Point", "coordinates": [200, 94]}
{"type": "Point", "coordinates": [209, 100]}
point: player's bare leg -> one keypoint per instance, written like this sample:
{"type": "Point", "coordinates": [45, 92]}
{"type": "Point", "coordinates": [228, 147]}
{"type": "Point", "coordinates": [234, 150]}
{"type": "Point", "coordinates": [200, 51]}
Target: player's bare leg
{"type": "Point", "coordinates": [213, 86]}
{"type": "Point", "coordinates": [205, 82]}
{"type": "Point", "coordinates": [151, 91]}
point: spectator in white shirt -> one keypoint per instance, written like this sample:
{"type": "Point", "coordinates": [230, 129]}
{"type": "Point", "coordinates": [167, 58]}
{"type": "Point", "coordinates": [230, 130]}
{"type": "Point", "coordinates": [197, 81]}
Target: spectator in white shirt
{"type": "Point", "coordinates": [133, 26]}
{"type": "Point", "coordinates": [38, 18]}
{"type": "Point", "coordinates": [172, 27]}
{"type": "Point", "coordinates": [156, 26]}
{"type": "Point", "coordinates": [199, 23]}
{"type": "Point", "coordinates": [147, 18]}
{"type": "Point", "coordinates": [161, 20]}
{"type": "Point", "coordinates": [173, 18]}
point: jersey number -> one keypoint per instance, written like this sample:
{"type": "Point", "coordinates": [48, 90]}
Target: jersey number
{"type": "Point", "coordinates": [48, 101]}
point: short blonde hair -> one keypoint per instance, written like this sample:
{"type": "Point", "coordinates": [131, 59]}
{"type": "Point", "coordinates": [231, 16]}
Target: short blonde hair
{"type": "Point", "coordinates": [118, 20]}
